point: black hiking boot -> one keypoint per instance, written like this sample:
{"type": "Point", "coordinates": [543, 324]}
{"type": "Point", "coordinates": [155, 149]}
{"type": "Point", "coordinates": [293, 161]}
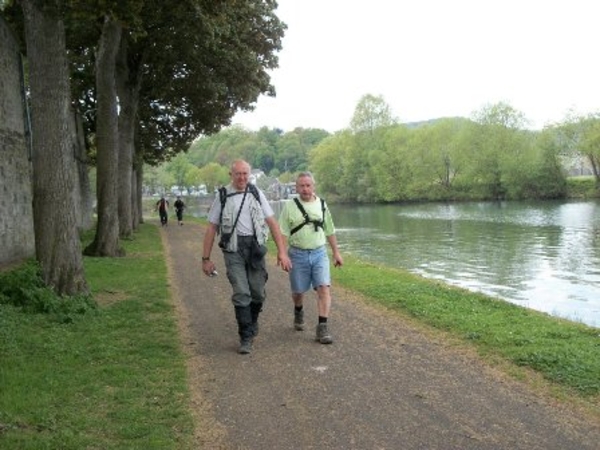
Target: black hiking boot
{"type": "Point", "coordinates": [255, 309]}
{"type": "Point", "coordinates": [299, 319]}
{"type": "Point", "coordinates": [243, 315]}
{"type": "Point", "coordinates": [245, 347]}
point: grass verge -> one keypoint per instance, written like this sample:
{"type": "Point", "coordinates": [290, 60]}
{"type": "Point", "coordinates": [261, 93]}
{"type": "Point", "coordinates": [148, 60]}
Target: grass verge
{"type": "Point", "coordinates": [104, 377]}
{"type": "Point", "coordinates": [565, 353]}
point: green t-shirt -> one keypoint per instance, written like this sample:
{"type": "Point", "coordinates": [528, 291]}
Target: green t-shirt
{"type": "Point", "coordinates": [306, 237]}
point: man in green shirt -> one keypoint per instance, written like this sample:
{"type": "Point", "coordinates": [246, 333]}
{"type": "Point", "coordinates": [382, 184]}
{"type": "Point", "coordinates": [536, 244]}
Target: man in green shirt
{"type": "Point", "coordinates": [306, 226]}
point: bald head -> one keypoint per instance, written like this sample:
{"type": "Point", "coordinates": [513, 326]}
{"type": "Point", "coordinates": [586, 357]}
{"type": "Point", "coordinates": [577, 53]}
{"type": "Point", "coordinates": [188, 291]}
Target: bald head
{"type": "Point", "coordinates": [240, 174]}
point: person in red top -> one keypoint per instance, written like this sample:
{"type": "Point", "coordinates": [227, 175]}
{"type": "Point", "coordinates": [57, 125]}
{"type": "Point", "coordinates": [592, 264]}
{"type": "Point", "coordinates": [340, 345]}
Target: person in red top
{"type": "Point", "coordinates": [161, 207]}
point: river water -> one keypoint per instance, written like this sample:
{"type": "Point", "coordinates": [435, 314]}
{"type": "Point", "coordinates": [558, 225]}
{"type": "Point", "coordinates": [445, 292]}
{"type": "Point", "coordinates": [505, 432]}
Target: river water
{"type": "Point", "coordinates": [540, 255]}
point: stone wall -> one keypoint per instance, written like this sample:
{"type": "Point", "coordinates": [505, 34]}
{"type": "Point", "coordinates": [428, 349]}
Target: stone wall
{"type": "Point", "coordinates": [16, 213]}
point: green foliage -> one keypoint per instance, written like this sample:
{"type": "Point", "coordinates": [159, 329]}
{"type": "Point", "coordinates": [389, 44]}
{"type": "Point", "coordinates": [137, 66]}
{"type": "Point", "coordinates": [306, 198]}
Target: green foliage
{"type": "Point", "coordinates": [25, 289]}
{"type": "Point", "coordinates": [213, 175]}
{"type": "Point", "coordinates": [180, 167]}
{"type": "Point", "coordinates": [266, 149]}
{"type": "Point", "coordinates": [225, 51]}
{"type": "Point", "coordinates": [583, 187]}
{"type": "Point", "coordinates": [447, 159]}
{"type": "Point", "coordinates": [327, 164]}
{"type": "Point", "coordinates": [371, 113]}
{"type": "Point", "coordinates": [500, 114]}
{"type": "Point", "coordinates": [581, 136]}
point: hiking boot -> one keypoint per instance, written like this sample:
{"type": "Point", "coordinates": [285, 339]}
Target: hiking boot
{"type": "Point", "coordinates": [245, 346]}
{"type": "Point", "coordinates": [323, 334]}
{"type": "Point", "coordinates": [299, 320]}
{"type": "Point", "coordinates": [255, 310]}
{"type": "Point", "coordinates": [243, 316]}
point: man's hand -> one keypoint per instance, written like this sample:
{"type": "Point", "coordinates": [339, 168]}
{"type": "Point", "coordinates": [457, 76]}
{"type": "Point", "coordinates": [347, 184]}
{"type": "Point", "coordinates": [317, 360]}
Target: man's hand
{"type": "Point", "coordinates": [338, 261]}
{"type": "Point", "coordinates": [284, 261]}
{"type": "Point", "coordinates": [208, 267]}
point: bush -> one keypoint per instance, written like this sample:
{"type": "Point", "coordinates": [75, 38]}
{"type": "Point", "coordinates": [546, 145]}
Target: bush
{"type": "Point", "coordinates": [24, 288]}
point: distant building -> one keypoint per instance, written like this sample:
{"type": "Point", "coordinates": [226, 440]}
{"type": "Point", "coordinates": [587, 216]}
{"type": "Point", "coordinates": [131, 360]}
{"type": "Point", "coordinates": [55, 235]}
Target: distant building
{"type": "Point", "coordinates": [287, 191]}
{"type": "Point", "coordinates": [255, 175]}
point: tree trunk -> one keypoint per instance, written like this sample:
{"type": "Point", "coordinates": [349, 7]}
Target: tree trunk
{"type": "Point", "coordinates": [128, 88]}
{"type": "Point", "coordinates": [595, 163]}
{"type": "Point", "coordinates": [139, 175]}
{"type": "Point", "coordinates": [85, 205]}
{"type": "Point", "coordinates": [106, 241]}
{"type": "Point", "coordinates": [135, 220]}
{"type": "Point", "coordinates": [57, 243]}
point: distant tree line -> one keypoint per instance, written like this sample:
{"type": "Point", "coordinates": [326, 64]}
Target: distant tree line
{"type": "Point", "coordinates": [490, 156]}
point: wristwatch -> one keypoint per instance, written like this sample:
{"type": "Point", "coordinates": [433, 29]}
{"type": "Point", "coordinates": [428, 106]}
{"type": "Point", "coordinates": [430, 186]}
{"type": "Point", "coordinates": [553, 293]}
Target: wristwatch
{"type": "Point", "coordinates": [206, 258]}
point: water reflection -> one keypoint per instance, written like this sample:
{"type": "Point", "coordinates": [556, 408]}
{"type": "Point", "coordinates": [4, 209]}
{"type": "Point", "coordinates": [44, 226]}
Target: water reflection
{"type": "Point", "coordinates": [543, 255]}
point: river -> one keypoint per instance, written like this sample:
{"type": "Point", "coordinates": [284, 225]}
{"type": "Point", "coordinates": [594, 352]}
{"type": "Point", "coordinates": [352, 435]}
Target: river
{"type": "Point", "coordinates": [540, 255]}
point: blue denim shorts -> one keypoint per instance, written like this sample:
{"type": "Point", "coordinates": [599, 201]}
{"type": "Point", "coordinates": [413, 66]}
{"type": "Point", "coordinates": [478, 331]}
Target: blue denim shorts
{"type": "Point", "coordinates": [310, 269]}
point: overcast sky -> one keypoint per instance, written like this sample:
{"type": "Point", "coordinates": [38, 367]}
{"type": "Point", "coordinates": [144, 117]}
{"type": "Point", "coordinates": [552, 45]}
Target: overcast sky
{"type": "Point", "coordinates": [432, 58]}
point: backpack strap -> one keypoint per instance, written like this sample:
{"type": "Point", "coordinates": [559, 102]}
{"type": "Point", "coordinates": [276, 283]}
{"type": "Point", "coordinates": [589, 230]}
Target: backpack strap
{"type": "Point", "coordinates": [223, 199]}
{"type": "Point", "coordinates": [307, 220]}
{"type": "Point", "coordinates": [254, 191]}
{"type": "Point", "coordinates": [223, 196]}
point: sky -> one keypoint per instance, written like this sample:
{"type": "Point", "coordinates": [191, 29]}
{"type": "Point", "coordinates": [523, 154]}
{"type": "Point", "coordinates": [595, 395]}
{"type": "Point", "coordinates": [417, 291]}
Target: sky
{"type": "Point", "coordinates": [432, 58]}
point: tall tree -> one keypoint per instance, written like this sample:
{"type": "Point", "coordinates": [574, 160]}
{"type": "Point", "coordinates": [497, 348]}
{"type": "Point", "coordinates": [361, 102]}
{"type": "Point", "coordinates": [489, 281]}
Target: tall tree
{"type": "Point", "coordinates": [214, 176]}
{"type": "Point", "coordinates": [371, 112]}
{"type": "Point", "coordinates": [184, 70]}
{"type": "Point", "coordinates": [332, 165]}
{"type": "Point", "coordinates": [370, 121]}
{"type": "Point", "coordinates": [499, 135]}
{"type": "Point", "coordinates": [438, 161]}
{"type": "Point", "coordinates": [58, 247]}
{"type": "Point", "coordinates": [582, 135]}
{"type": "Point", "coordinates": [224, 52]}
{"type": "Point", "coordinates": [106, 240]}
{"type": "Point", "coordinates": [390, 166]}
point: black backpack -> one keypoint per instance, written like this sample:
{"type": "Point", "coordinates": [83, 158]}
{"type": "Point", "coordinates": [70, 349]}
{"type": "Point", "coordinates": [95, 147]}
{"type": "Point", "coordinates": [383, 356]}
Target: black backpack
{"type": "Point", "coordinates": [223, 196]}
{"type": "Point", "coordinates": [307, 220]}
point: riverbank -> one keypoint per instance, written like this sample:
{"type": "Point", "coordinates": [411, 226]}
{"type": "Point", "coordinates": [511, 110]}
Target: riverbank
{"type": "Point", "coordinates": [565, 353]}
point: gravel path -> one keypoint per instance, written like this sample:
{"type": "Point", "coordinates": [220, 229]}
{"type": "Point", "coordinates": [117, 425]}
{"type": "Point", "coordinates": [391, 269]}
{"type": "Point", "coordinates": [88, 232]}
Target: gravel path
{"type": "Point", "coordinates": [383, 384]}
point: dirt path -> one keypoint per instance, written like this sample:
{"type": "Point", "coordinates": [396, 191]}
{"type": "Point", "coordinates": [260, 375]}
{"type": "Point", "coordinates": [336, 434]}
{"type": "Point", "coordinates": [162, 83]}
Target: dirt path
{"type": "Point", "coordinates": [383, 384]}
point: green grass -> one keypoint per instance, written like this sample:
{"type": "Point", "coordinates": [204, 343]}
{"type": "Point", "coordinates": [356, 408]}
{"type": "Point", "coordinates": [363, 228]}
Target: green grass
{"type": "Point", "coordinates": [582, 187]}
{"type": "Point", "coordinates": [111, 377]}
{"type": "Point", "coordinates": [565, 353]}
